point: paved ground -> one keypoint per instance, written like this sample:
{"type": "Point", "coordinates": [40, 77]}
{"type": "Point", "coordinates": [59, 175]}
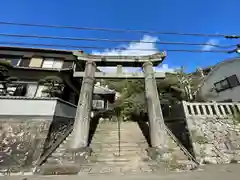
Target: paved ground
{"type": "Point", "coordinates": [210, 172]}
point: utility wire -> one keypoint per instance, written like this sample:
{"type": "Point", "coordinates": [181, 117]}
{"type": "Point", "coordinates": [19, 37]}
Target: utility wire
{"type": "Point", "coordinates": [104, 48]}
{"type": "Point", "coordinates": [111, 40]}
{"type": "Point", "coordinates": [120, 30]}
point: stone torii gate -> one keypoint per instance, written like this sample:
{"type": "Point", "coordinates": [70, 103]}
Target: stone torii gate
{"type": "Point", "coordinates": [82, 120]}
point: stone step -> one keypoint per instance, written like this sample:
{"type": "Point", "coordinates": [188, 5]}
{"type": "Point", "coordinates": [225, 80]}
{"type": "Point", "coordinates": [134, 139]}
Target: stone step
{"type": "Point", "coordinates": [115, 150]}
{"type": "Point", "coordinates": [121, 148]}
{"type": "Point", "coordinates": [65, 169]}
{"type": "Point", "coordinates": [115, 136]}
{"type": "Point", "coordinates": [122, 155]}
{"type": "Point", "coordinates": [111, 162]}
{"type": "Point", "coordinates": [114, 167]}
{"type": "Point", "coordinates": [122, 152]}
{"type": "Point", "coordinates": [57, 154]}
{"type": "Point", "coordinates": [110, 130]}
{"type": "Point", "coordinates": [116, 140]}
{"type": "Point", "coordinates": [115, 143]}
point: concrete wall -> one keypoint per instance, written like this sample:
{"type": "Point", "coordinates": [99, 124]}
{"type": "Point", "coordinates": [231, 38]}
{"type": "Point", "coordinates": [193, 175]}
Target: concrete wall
{"type": "Point", "coordinates": [29, 128]}
{"type": "Point", "coordinates": [27, 106]}
{"type": "Point", "coordinates": [220, 72]}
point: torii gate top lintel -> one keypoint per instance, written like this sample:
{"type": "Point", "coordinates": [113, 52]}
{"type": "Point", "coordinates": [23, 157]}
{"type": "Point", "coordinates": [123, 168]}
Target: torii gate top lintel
{"type": "Point", "coordinates": [119, 61]}
{"type": "Point", "coordinates": [136, 61]}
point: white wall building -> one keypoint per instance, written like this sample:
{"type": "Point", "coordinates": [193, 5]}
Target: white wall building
{"type": "Point", "coordinates": [223, 82]}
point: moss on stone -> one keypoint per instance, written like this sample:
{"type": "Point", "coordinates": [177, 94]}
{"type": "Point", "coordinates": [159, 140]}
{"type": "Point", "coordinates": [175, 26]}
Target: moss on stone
{"type": "Point", "coordinates": [236, 119]}
{"type": "Point", "coordinates": [172, 164]}
{"type": "Point", "coordinates": [201, 139]}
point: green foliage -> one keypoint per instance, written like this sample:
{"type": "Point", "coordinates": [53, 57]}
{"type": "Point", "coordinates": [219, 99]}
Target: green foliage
{"type": "Point", "coordinates": [54, 86]}
{"type": "Point", "coordinates": [4, 66]}
{"type": "Point", "coordinates": [132, 100]}
{"type": "Point", "coordinates": [4, 77]}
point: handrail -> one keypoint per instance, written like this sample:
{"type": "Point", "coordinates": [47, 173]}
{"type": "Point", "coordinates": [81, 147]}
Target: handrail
{"type": "Point", "coordinates": [53, 148]}
{"type": "Point", "coordinates": [180, 145]}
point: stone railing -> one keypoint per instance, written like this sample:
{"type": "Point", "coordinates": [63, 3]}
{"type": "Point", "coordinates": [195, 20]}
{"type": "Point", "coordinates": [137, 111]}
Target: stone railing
{"type": "Point", "coordinates": [210, 109]}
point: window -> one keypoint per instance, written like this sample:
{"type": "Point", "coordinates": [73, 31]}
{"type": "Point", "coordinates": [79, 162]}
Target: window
{"type": "Point", "coordinates": [227, 83]}
{"type": "Point", "coordinates": [35, 62]}
{"type": "Point", "coordinates": [31, 89]}
{"type": "Point", "coordinates": [233, 81]}
{"type": "Point", "coordinates": [25, 62]}
{"type": "Point", "coordinates": [98, 104]}
{"type": "Point", "coordinates": [44, 63]}
{"type": "Point", "coordinates": [222, 85]}
{"type": "Point", "coordinates": [67, 64]}
{"type": "Point", "coordinates": [15, 61]}
{"type": "Point", "coordinates": [11, 90]}
{"type": "Point", "coordinates": [52, 63]}
{"type": "Point", "coordinates": [39, 92]}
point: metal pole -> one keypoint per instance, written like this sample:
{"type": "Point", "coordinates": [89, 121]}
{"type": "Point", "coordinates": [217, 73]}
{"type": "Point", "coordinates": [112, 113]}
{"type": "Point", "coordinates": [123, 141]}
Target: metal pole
{"type": "Point", "coordinates": [119, 137]}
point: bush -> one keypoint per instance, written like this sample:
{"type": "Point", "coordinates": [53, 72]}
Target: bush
{"type": "Point", "coordinates": [54, 86]}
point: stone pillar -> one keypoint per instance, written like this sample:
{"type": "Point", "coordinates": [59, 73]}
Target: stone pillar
{"type": "Point", "coordinates": [83, 115]}
{"type": "Point", "coordinates": [156, 122]}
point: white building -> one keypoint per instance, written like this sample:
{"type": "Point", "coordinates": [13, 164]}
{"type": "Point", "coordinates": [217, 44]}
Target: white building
{"type": "Point", "coordinates": [223, 82]}
{"type": "Point", "coordinates": [99, 102]}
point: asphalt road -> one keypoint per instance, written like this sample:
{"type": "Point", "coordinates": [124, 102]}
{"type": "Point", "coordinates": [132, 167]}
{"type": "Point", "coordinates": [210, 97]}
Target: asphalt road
{"type": "Point", "coordinates": [209, 172]}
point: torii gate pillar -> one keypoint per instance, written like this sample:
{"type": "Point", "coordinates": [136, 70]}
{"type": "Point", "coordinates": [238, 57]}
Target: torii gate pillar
{"type": "Point", "coordinates": [156, 121]}
{"type": "Point", "coordinates": [82, 120]}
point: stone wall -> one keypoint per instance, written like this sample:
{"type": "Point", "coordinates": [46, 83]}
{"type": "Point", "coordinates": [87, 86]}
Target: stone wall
{"type": "Point", "coordinates": [21, 142]}
{"type": "Point", "coordinates": [215, 140]}
{"type": "Point", "coordinates": [29, 131]}
{"type": "Point", "coordinates": [214, 131]}
{"type": "Point", "coordinates": [59, 128]}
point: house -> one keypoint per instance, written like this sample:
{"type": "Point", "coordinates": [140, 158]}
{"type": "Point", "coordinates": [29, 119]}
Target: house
{"type": "Point", "coordinates": [221, 84]}
{"type": "Point", "coordinates": [32, 67]}
{"type": "Point", "coordinates": [100, 93]}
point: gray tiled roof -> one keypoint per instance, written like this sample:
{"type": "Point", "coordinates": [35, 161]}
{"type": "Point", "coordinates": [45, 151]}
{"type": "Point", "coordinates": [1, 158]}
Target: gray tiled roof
{"type": "Point", "coordinates": [103, 90]}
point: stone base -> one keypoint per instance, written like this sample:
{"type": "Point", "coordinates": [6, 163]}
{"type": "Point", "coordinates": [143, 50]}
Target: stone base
{"type": "Point", "coordinates": [169, 159]}
{"type": "Point", "coordinates": [67, 162]}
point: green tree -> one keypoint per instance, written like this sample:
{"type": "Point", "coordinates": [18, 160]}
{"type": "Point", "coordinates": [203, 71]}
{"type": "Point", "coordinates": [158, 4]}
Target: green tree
{"type": "Point", "coordinates": [5, 79]}
{"type": "Point", "coordinates": [54, 86]}
{"type": "Point", "coordinates": [171, 90]}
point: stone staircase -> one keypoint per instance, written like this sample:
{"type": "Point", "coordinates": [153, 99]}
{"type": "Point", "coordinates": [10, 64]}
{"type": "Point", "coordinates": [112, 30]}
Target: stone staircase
{"type": "Point", "coordinates": [120, 151]}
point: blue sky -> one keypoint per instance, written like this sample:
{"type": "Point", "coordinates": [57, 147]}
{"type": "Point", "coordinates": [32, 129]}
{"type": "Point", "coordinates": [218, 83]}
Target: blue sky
{"type": "Point", "coordinates": [198, 16]}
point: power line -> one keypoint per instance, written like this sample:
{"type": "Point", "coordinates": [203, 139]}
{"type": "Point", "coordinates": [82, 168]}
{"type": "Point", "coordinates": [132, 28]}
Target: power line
{"type": "Point", "coordinates": [104, 48]}
{"type": "Point", "coordinates": [112, 40]}
{"type": "Point", "coordinates": [120, 30]}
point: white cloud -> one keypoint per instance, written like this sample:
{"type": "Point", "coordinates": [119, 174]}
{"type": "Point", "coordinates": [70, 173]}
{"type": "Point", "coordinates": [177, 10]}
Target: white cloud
{"type": "Point", "coordinates": [211, 41]}
{"type": "Point", "coordinates": [164, 68]}
{"type": "Point", "coordinates": [161, 68]}
{"type": "Point", "coordinates": [134, 49]}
